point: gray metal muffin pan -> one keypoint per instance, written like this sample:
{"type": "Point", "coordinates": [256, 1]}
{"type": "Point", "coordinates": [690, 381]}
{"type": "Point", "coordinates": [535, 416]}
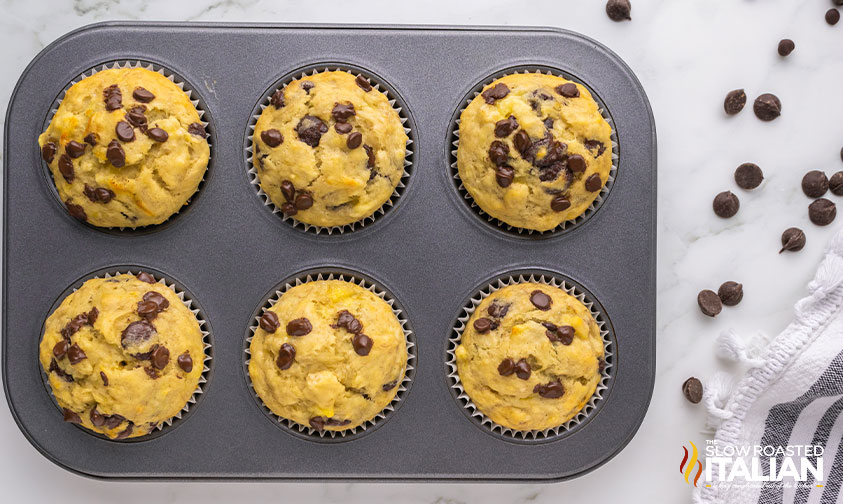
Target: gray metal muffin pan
{"type": "Point", "coordinates": [431, 251]}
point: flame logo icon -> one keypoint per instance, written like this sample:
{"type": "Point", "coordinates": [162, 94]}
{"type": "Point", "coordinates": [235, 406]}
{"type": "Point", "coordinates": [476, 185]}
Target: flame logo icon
{"type": "Point", "coordinates": [687, 465]}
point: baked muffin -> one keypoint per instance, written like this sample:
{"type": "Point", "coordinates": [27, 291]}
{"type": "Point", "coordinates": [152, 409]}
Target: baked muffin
{"type": "Point", "coordinates": [329, 149]}
{"type": "Point", "coordinates": [122, 355]}
{"type": "Point", "coordinates": [534, 150]}
{"type": "Point", "coordinates": [329, 354]}
{"type": "Point", "coordinates": [126, 148]}
{"type": "Point", "coordinates": [530, 357]}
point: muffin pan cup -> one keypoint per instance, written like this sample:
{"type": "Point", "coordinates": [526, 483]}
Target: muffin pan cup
{"type": "Point", "coordinates": [431, 250]}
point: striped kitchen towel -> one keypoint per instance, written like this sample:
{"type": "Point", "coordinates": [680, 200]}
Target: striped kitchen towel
{"type": "Point", "coordinates": [792, 396]}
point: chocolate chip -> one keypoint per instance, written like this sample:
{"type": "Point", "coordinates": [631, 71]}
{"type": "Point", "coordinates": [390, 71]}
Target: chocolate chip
{"type": "Point", "coordinates": [97, 418]}
{"type": "Point", "coordinates": [726, 204]}
{"type": "Point", "coordinates": [541, 300]}
{"type": "Point", "coordinates": [197, 129]}
{"type": "Point", "coordinates": [560, 203]}
{"type": "Point", "coordinates": [112, 97]}
{"type": "Point", "coordinates": [596, 147]}
{"type": "Point", "coordinates": [272, 137]}
{"type": "Point", "coordinates": [74, 149]}
{"type": "Point", "coordinates": [269, 321]}
{"type": "Point", "coordinates": [160, 357]}
{"type": "Point", "coordinates": [103, 195]}
{"type": "Point", "coordinates": [286, 356]}
{"type": "Point", "coordinates": [506, 367]}
{"type": "Point", "coordinates": [343, 128]}
{"type": "Point", "coordinates": [482, 325]}
{"type": "Point", "coordinates": [157, 298]}
{"type": "Point", "coordinates": [822, 212]}
{"type": "Point", "coordinates": [342, 111]}
{"type": "Point", "coordinates": [48, 152]}
{"type": "Point", "coordinates": [793, 239]}
{"type": "Point", "coordinates": [317, 423]}
{"type": "Point", "coordinates": [71, 416]}
{"type": "Point", "coordinates": [496, 92]}
{"type": "Point", "coordinates": [767, 107]}
{"type": "Point", "coordinates": [370, 159]}
{"type": "Point", "coordinates": [112, 421]}
{"type": "Point", "coordinates": [362, 344]}
{"type": "Point", "coordinates": [522, 369]}
{"type": "Point", "coordinates": [521, 141]}
{"type": "Point", "coordinates": [363, 83]}
{"type": "Point", "coordinates": [354, 140]}
{"type": "Point", "coordinates": [158, 134]}
{"type": "Point", "coordinates": [386, 387]}
{"type": "Point", "coordinates": [735, 101]}
{"type": "Point", "coordinates": [505, 127]}
{"type": "Point", "coordinates": [335, 422]}
{"type": "Point", "coordinates": [289, 209]}
{"type": "Point", "coordinates": [730, 293]}
{"type": "Point", "coordinates": [498, 152]}
{"type": "Point", "coordinates": [277, 99]}
{"type": "Point", "coordinates": [786, 46]}
{"type": "Point", "coordinates": [147, 309]}
{"type": "Point", "coordinates": [814, 184]}
{"type": "Point", "coordinates": [498, 310]}
{"type": "Point", "coordinates": [693, 390]}
{"type": "Point", "coordinates": [709, 302]}
{"type": "Point", "coordinates": [619, 10]}
{"type": "Point", "coordinates": [563, 334]}
{"type": "Point", "coordinates": [142, 95]}
{"type": "Point", "coordinates": [310, 130]}
{"type": "Point", "coordinates": [104, 378]}
{"type": "Point", "coordinates": [288, 190]}
{"type": "Point", "coordinates": [303, 201]}
{"type": "Point", "coordinates": [66, 168]}
{"type": "Point", "coordinates": [835, 183]}
{"type": "Point", "coordinates": [123, 434]}
{"type": "Point", "coordinates": [568, 90]}
{"type": "Point", "coordinates": [504, 175]}
{"type": "Point", "coordinates": [576, 163]}
{"type": "Point", "coordinates": [115, 155]}
{"type": "Point", "coordinates": [185, 362]}
{"type": "Point", "coordinates": [76, 211]}
{"type": "Point", "coordinates": [136, 333]}
{"type": "Point", "coordinates": [832, 16]}
{"type": "Point", "coordinates": [151, 372]}
{"type": "Point", "coordinates": [593, 183]}
{"type": "Point", "coordinates": [60, 349]}
{"type": "Point", "coordinates": [54, 368]}
{"type": "Point", "coordinates": [91, 139]}
{"type": "Point", "coordinates": [75, 354]}
{"type": "Point", "coordinates": [551, 390]}
{"type": "Point", "coordinates": [135, 116]}
{"type": "Point", "coordinates": [299, 327]}
{"type": "Point", "coordinates": [307, 86]}
{"type": "Point", "coordinates": [143, 276]}
{"type": "Point", "coordinates": [748, 176]}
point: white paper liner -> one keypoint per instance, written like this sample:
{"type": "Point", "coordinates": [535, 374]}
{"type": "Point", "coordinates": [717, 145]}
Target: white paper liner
{"type": "Point", "coordinates": [454, 341]}
{"type": "Point", "coordinates": [403, 386]}
{"type": "Point", "coordinates": [377, 85]}
{"type": "Point", "coordinates": [172, 78]}
{"type": "Point", "coordinates": [203, 378]}
{"type": "Point", "coordinates": [455, 141]}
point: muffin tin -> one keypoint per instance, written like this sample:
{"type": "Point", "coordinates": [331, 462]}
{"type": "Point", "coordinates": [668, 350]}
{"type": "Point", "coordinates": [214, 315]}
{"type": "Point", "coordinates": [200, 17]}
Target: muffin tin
{"type": "Point", "coordinates": [431, 251]}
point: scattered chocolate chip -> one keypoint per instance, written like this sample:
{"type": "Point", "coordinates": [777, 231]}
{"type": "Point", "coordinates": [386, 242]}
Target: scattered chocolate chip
{"type": "Point", "coordinates": [619, 10]}
{"type": "Point", "coordinates": [75, 354]}
{"type": "Point", "coordinates": [115, 155]}
{"type": "Point", "coordinates": [835, 183]}
{"type": "Point", "coordinates": [693, 390]}
{"type": "Point", "coordinates": [560, 203]}
{"type": "Point", "coordinates": [74, 149]}
{"type": "Point", "coordinates": [363, 83]}
{"type": "Point", "coordinates": [522, 369]}
{"type": "Point", "coordinates": [362, 344]}
{"type": "Point", "coordinates": [497, 310]}
{"type": "Point", "coordinates": [498, 152]}
{"type": "Point", "coordinates": [730, 293]}
{"type": "Point", "coordinates": [307, 86]}
{"type": "Point", "coordinates": [505, 127]}
{"type": "Point", "coordinates": [54, 368]}
{"type": "Point", "coordinates": [786, 46]}
{"type": "Point", "coordinates": [104, 378]}
{"type": "Point", "coordinates": [136, 333]}
{"type": "Point", "coordinates": [123, 434]}
{"type": "Point", "coordinates": [151, 372]}
{"type": "Point", "coordinates": [726, 204]}
{"type": "Point", "coordinates": [522, 142]}
{"type": "Point", "coordinates": [793, 240]}
{"type": "Point", "coordinates": [158, 299]}
{"type": "Point", "coordinates": [76, 211]}
{"type": "Point", "coordinates": [593, 183]}
{"type": "Point", "coordinates": [299, 327]}
{"type": "Point", "coordinates": [482, 325]}
{"type": "Point", "coordinates": [97, 418]}
{"type": "Point", "coordinates": [158, 134]}
{"type": "Point", "coordinates": [91, 139]}
{"type": "Point", "coordinates": [269, 321]}
{"type": "Point", "coordinates": [386, 387]}
{"type": "Point", "coordinates": [160, 357]}
{"type": "Point", "coordinates": [303, 201]}
{"type": "Point", "coordinates": [342, 111]}
{"type": "Point", "coordinates": [277, 99]}
{"type": "Point", "coordinates": [142, 95]}
{"type": "Point", "coordinates": [66, 168]}
{"type": "Point", "coordinates": [767, 107]}
{"type": "Point", "coordinates": [343, 128]}
{"type": "Point", "coordinates": [112, 421]}
{"type": "Point", "coordinates": [310, 130]}
{"type": "Point", "coordinates": [48, 152]}
{"type": "Point", "coordinates": [748, 176]}
{"type": "Point", "coordinates": [71, 416]}
{"type": "Point", "coordinates": [289, 209]}
{"type": "Point", "coordinates": [99, 195]}
{"type": "Point", "coordinates": [576, 163]}
{"type": "Point", "coordinates": [317, 423]}
{"type": "Point", "coordinates": [272, 137]}
{"type": "Point", "coordinates": [335, 422]}
{"type": "Point", "coordinates": [541, 300]}
{"type": "Point", "coordinates": [197, 129]}
{"type": "Point", "coordinates": [506, 367]}
{"type": "Point", "coordinates": [563, 334]}
{"type": "Point", "coordinates": [354, 140]}
{"type": "Point", "coordinates": [60, 349]}
{"type": "Point", "coordinates": [135, 116]}
{"type": "Point", "coordinates": [568, 90]}
{"type": "Point", "coordinates": [596, 147]}
{"type": "Point", "coordinates": [288, 190]}
{"type": "Point", "coordinates": [370, 156]}
{"type": "Point", "coordinates": [709, 302]}
{"type": "Point", "coordinates": [112, 97]}
{"type": "Point", "coordinates": [735, 101]}
{"type": "Point", "coordinates": [814, 184]}
{"type": "Point", "coordinates": [504, 174]}
{"type": "Point", "coordinates": [552, 390]}
{"type": "Point", "coordinates": [143, 276]}
{"type": "Point", "coordinates": [286, 356]}
{"type": "Point", "coordinates": [185, 362]}
{"type": "Point", "coordinates": [832, 16]}
{"type": "Point", "coordinates": [822, 212]}
{"type": "Point", "coordinates": [496, 92]}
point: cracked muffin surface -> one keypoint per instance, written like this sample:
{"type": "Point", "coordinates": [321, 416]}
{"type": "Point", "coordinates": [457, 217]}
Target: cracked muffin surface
{"type": "Point", "coordinates": [122, 355]}
{"type": "Point", "coordinates": [329, 354]}
{"type": "Point", "coordinates": [534, 150]}
{"type": "Point", "coordinates": [530, 357]}
{"type": "Point", "coordinates": [126, 148]}
{"type": "Point", "coordinates": [329, 149]}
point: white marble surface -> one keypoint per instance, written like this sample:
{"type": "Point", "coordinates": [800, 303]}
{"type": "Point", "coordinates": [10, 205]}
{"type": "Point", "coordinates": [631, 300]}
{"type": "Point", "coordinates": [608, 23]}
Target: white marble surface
{"type": "Point", "coordinates": [688, 54]}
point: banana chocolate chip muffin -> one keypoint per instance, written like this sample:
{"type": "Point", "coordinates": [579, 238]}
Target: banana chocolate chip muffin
{"type": "Point", "coordinates": [126, 148]}
{"type": "Point", "coordinates": [122, 355]}
{"type": "Point", "coordinates": [329, 149]}
{"type": "Point", "coordinates": [530, 357]}
{"type": "Point", "coordinates": [329, 354]}
{"type": "Point", "coordinates": [534, 150]}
